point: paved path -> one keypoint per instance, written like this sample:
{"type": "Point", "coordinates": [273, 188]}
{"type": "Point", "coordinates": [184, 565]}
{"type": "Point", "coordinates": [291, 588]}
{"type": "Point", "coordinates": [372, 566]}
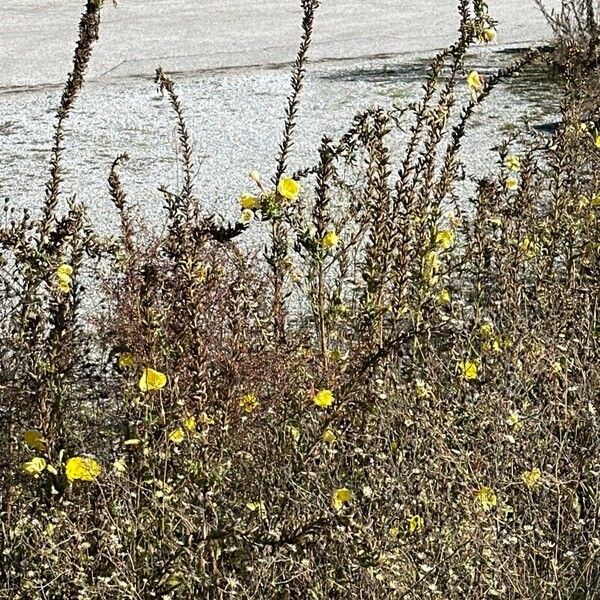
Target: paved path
{"type": "Point", "coordinates": [235, 115]}
{"type": "Point", "coordinates": [37, 36]}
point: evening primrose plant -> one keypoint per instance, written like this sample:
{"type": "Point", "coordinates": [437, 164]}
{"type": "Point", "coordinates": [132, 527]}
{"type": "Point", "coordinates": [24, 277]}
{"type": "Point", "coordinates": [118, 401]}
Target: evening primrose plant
{"type": "Point", "coordinates": [395, 398]}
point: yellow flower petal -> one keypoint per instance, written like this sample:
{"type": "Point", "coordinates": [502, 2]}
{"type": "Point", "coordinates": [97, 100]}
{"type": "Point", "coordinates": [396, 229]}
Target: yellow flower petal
{"type": "Point", "coordinates": [513, 163]}
{"type": "Point", "coordinates": [34, 467]}
{"type": "Point", "coordinates": [82, 468]}
{"type": "Point", "coordinates": [415, 524]}
{"type": "Point", "coordinates": [126, 360]}
{"type": "Point", "coordinates": [34, 439]}
{"type": "Point", "coordinates": [340, 497]}
{"type": "Point", "coordinates": [486, 330]}
{"type": "Point", "coordinates": [64, 286]}
{"type": "Point", "coordinates": [64, 270]}
{"type": "Point", "coordinates": [63, 277]}
{"type": "Point", "coordinates": [528, 247]}
{"type": "Point", "coordinates": [444, 239]}
{"type": "Point", "coordinates": [288, 188]}
{"type": "Point", "coordinates": [324, 398]}
{"type": "Point", "coordinates": [190, 423]}
{"type": "Point", "coordinates": [257, 507]}
{"type": "Point", "coordinates": [329, 437]}
{"type": "Point", "coordinates": [248, 201]}
{"type": "Point", "coordinates": [475, 81]}
{"type": "Point", "coordinates": [422, 390]}
{"type": "Point", "coordinates": [515, 421]}
{"type": "Point", "coordinates": [246, 216]}
{"type": "Point", "coordinates": [431, 266]}
{"type": "Point", "coordinates": [249, 403]}
{"type": "Point", "coordinates": [468, 370]}
{"type": "Point", "coordinates": [330, 239]}
{"type": "Point", "coordinates": [531, 478]}
{"type": "Point", "coordinates": [152, 380]}
{"type": "Point", "coordinates": [488, 35]}
{"type": "Point", "coordinates": [177, 436]}
{"type": "Point", "coordinates": [486, 498]}
{"type": "Point", "coordinates": [444, 297]}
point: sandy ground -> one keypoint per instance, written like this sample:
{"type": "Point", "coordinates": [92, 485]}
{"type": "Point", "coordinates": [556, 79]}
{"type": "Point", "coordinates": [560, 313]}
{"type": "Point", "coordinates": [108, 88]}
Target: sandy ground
{"type": "Point", "coordinates": [37, 36]}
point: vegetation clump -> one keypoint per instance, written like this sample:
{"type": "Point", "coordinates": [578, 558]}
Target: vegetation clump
{"type": "Point", "coordinates": [398, 399]}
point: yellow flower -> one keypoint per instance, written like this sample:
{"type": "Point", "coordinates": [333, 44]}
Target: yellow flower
{"type": "Point", "coordinates": [531, 478]}
{"type": "Point", "coordinates": [257, 507]}
{"type": "Point", "coordinates": [246, 216]}
{"type": "Point", "coordinates": [486, 330]}
{"type": "Point", "coordinates": [201, 272]}
{"type": "Point", "coordinates": [63, 278]}
{"type": "Point", "coordinates": [596, 200]}
{"type": "Point", "coordinates": [249, 402]}
{"type": "Point", "coordinates": [468, 370]}
{"type": "Point", "coordinates": [64, 286]}
{"type": "Point", "coordinates": [174, 580]}
{"type": "Point", "coordinates": [488, 35]}
{"type": "Point", "coordinates": [190, 423]}
{"type": "Point", "coordinates": [513, 163]}
{"type": "Point", "coordinates": [528, 247]}
{"type": "Point", "coordinates": [515, 421]}
{"type": "Point", "coordinates": [583, 202]}
{"type": "Point", "coordinates": [248, 201]}
{"type": "Point", "coordinates": [64, 271]}
{"type": "Point", "coordinates": [511, 183]}
{"type": "Point", "coordinates": [294, 432]}
{"type": "Point", "coordinates": [34, 439]}
{"type": "Point", "coordinates": [486, 498]}
{"type": "Point", "coordinates": [394, 532]}
{"type": "Point", "coordinates": [34, 467]}
{"type": "Point", "coordinates": [82, 468]}
{"type": "Point", "coordinates": [557, 368]}
{"type": "Point", "coordinates": [323, 398]}
{"type": "Point", "coordinates": [152, 380]}
{"type": "Point", "coordinates": [475, 83]}
{"type": "Point", "coordinates": [431, 264]}
{"type": "Point", "coordinates": [330, 239]}
{"type": "Point", "coordinates": [289, 188]}
{"type": "Point", "coordinates": [597, 142]}
{"type": "Point", "coordinates": [340, 497]}
{"type": "Point", "coordinates": [329, 437]}
{"type": "Point", "coordinates": [444, 239]}
{"type": "Point", "coordinates": [494, 343]}
{"type": "Point", "coordinates": [415, 523]}
{"type": "Point", "coordinates": [177, 436]}
{"type": "Point", "coordinates": [422, 390]}
{"type": "Point", "coordinates": [126, 360]}
{"type": "Point", "coordinates": [444, 297]}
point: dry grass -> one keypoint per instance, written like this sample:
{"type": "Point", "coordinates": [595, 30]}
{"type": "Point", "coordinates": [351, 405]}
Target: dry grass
{"type": "Point", "coordinates": [458, 335]}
